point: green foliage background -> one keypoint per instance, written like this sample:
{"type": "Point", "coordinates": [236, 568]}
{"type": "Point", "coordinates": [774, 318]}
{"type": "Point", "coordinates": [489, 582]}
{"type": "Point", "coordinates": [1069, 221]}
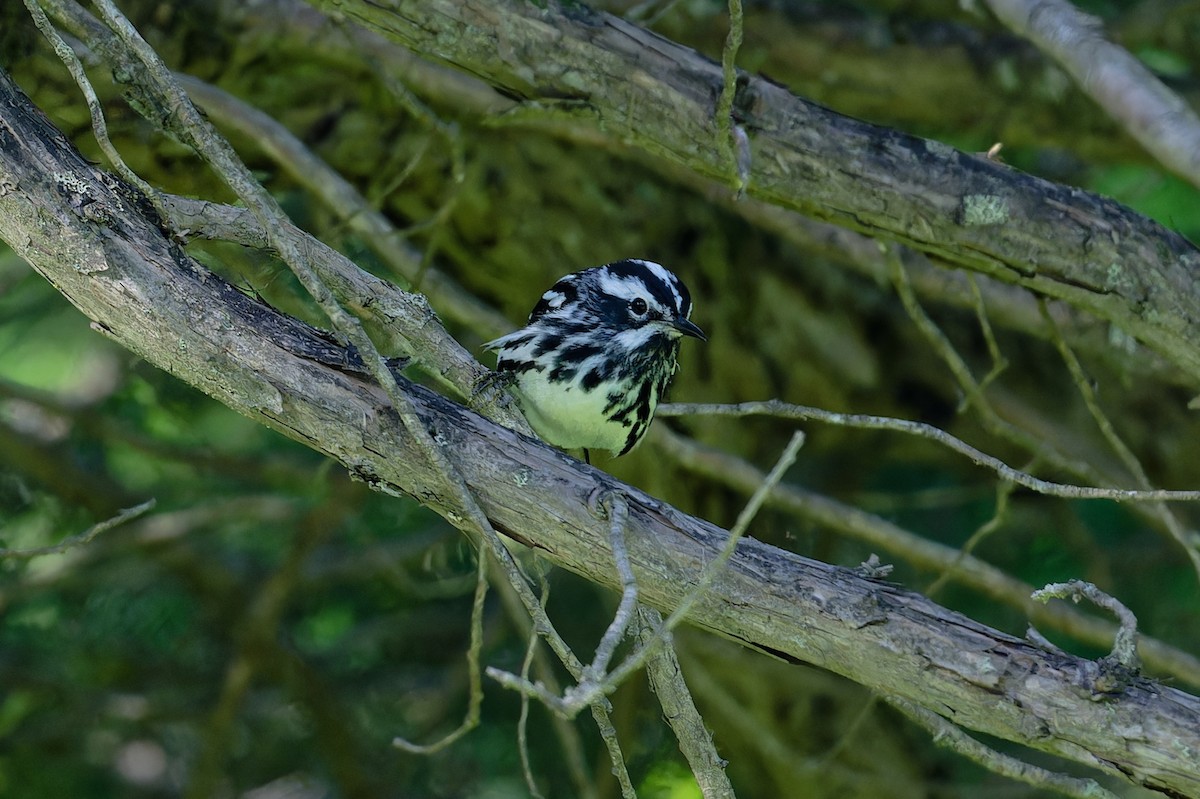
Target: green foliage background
{"type": "Point", "coordinates": [272, 625]}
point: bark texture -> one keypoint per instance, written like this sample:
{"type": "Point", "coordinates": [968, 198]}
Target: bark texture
{"type": "Point", "coordinates": [959, 207]}
{"type": "Point", "coordinates": [103, 248]}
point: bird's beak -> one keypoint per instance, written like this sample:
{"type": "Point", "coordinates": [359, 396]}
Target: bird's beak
{"type": "Point", "coordinates": [688, 328]}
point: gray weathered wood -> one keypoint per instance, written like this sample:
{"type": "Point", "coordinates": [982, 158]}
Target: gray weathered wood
{"type": "Point", "coordinates": [963, 209]}
{"type": "Point", "coordinates": [102, 247]}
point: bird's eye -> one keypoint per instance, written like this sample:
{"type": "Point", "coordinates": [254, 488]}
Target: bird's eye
{"type": "Point", "coordinates": [639, 307]}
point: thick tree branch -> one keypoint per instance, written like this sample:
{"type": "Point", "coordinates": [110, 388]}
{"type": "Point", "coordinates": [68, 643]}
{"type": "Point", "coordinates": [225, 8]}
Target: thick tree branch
{"type": "Point", "coordinates": [295, 26]}
{"type": "Point", "coordinates": [103, 248]}
{"type": "Point", "coordinates": [960, 208]}
{"type": "Point", "coordinates": [888, 537]}
{"type": "Point", "coordinates": [1153, 114]}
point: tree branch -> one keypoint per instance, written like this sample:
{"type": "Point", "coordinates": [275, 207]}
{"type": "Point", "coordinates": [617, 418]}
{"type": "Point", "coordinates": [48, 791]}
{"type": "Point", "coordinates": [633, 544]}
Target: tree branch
{"type": "Point", "coordinates": [80, 539]}
{"type": "Point", "coordinates": [679, 709]}
{"type": "Point", "coordinates": [964, 209]}
{"type": "Point", "coordinates": [340, 196]}
{"type": "Point", "coordinates": [104, 248]}
{"type": "Point", "coordinates": [948, 735]}
{"type": "Point", "coordinates": [1153, 114]}
{"type": "Point", "coordinates": [785, 410]}
{"type": "Point", "coordinates": [876, 531]}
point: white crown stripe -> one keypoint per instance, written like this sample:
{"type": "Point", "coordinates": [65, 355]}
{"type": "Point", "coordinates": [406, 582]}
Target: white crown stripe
{"type": "Point", "coordinates": [590, 368]}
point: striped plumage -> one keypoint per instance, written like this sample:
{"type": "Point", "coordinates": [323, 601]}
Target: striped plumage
{"type": "Point", "coordinates": [598, 353]}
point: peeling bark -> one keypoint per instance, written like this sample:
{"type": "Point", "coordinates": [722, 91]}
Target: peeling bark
{"type": "Point", "coordinates": [102, 247]}
{"type": "Point", "coordinates": [958, 207]}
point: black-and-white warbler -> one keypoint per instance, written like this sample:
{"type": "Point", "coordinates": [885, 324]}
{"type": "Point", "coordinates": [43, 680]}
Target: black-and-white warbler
{"type": "Point", "coordinates": [598, 353]}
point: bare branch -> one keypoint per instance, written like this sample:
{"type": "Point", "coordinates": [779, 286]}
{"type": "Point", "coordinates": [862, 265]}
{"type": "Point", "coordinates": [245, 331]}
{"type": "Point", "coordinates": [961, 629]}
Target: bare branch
{"type": "Point", "coordinates": [86, 537]}
{"type": "Point", "coordinates": [1125, 643]}
{"type": "Point", "coordinates": [404, 320]}
{"type": "Point", "coordinates": [784, 410]}
{"type": "Point", "coordinates": [1153, 114]}
{"type": "Point", "coordinates": [143, 289]}
{"type": "Point", "coordinates": [609, 734]}
{"type": "Point", "coordinates": [879, 532]}
{"type": "Point", "coordinates": [964, 209]}
{"type": "Point", "coordinates": [99, 126]}
{"type": "Point", "coordinates": [523, 719]}
{"type": "Point", "coordinates": [618, 517]}
{"type": "Point", "coordinates": [952, 737]}
{"type": "Point", "coordinates": [666, 680]}
{"type": "Point", "coordinates": [292, 21]}
{"type": "Point", "coordinates": [474, 683]}
{"type": "Point", "coordinates": [1169, 520]}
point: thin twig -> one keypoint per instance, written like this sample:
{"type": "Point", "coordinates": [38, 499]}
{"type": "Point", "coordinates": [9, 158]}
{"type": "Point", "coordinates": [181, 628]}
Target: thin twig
{"type": "Point", "coordinates": [999, 362]}
{"type": "Point", "coordinates": [99, 126]}
{"type": "Point", "coordinates": [86, 537]}
{"type": "Point", "coordinates": [1169, 521]}
{"type": "Point", "coordinates": [783, 760]}
{"type": "Point", "coordinates": [991, 420]}
{"type": "Point", "coordinates": [569, 706]}
{"type": "Point", "coordinates": [784, 410]}
{"type": "Point", "coordinates": [344, 200]}
{"type": "Point", "coordinates": [591, 688]}
{"type": "Point", "coordinates": [972, 391]}
{"type": "Point", "coordinates": [1003, 491]}
{"type": "Point", "coordinates": [1124, 649]}
{"type": "Point", "coordinates": [523, 718]}
{"type": "Point", "coordinates": [730, 138]}
{"type": "Point", "coordinates": [474, 681]}
{"type": "Point", "coordinates": [568, 735]}
{"type": "Point", "coordinates": [876, 531]}
{"type": "Point", "coordinates": [618, 516]}
{"type": "Point", "coordinates": [714, 567]}
{"type": "Point", "coordinates": [952, 737]}
{"type": "Point", "coordinates": [851, 731]}
{"type": "Point", "coordinates": [608, 733]}
{"type": "Point", "coordinates": [450, 132]}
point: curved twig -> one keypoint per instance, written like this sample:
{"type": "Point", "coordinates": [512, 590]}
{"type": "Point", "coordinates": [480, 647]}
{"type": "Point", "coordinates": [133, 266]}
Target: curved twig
{"type": "Point", "coordinates": [785, 410]}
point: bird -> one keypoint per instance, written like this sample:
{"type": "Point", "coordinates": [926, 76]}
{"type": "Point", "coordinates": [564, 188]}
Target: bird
{"type": "Point", "coordinates": [597, 354]}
